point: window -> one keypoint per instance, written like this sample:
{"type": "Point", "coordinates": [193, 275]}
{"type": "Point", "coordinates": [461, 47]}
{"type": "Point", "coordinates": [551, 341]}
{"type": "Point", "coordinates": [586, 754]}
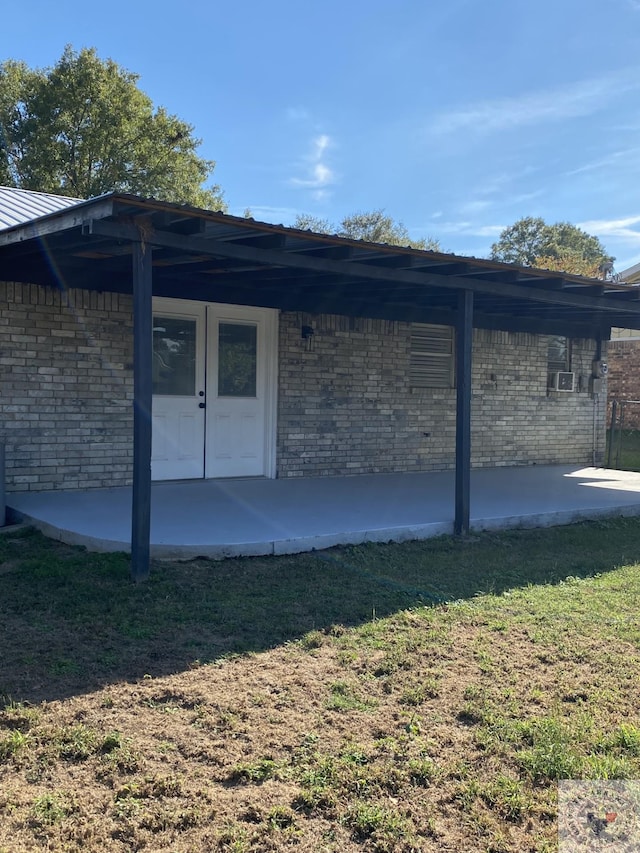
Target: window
{"type": "Point", "coordinates": [174, 356]}
{"type": "Point", "coordinates": [432, 356]}
{"type": "Point", "coordinates": [237, 360]}
{"type": "Point", "coordinates": [559, 354]}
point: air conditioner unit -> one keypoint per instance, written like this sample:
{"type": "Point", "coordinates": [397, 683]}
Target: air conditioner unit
{"type": "Point", "coordinates": [562, 380]}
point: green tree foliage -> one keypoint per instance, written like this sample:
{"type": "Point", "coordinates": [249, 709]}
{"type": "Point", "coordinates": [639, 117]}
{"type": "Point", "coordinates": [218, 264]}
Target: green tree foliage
{"type": "Point", "coordinates": [531, 242]}
{"type": "Point", "coordinates": [571, 263]}
{"type": "Point", "coordinates": [83, 128]}
{"type": "Point", "coordinates": [373, 226]}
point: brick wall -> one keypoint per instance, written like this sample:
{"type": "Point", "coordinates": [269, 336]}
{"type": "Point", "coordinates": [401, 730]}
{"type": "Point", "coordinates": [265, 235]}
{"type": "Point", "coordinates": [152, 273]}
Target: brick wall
{"type": "Point", "coordinates": [65, 387]}
{"type": "Point", "coordinates": [623, 358]}
{"type": "Point", "coordinates": [345, 403]}
{"type": "Point", "coordinates": [346, 406]}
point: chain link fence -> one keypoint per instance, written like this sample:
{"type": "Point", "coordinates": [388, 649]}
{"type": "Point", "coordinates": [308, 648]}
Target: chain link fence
{"type": "Point", "coordinates": [623, 435]}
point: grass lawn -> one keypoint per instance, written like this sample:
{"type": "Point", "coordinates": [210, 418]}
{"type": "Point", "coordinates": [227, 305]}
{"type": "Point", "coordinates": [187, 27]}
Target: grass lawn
{"type": "Point", "coordinates": [416, 697]}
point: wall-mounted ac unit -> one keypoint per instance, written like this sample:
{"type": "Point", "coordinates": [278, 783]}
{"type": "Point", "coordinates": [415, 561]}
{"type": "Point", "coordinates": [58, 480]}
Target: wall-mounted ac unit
{"type": "Point", "coordinates": [562, 380]}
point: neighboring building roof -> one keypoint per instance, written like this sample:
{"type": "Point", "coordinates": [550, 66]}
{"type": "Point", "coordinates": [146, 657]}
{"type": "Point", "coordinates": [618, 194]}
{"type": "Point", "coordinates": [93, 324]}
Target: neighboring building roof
{"type": "Point", "coordinates": [630, 275]}
{"type": "Point", "coordinates": [19, 206]}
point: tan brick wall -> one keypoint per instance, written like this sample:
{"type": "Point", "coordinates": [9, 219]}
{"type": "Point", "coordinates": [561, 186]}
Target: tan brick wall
{"type": "Point", "coordinates": [65, 387]}
{"type": "Point", "coordinates": [345, 403]}
{"type": "Point", "coordinates": [346, 406]}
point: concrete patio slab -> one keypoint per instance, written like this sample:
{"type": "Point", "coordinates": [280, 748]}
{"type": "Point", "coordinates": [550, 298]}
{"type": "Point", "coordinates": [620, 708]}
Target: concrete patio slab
{"type": "Point", "coordinates": [222, 518]}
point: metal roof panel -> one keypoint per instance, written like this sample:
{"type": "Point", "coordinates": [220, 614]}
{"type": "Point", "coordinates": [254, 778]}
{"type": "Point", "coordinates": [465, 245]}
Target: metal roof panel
{"type": "Point", "coordinates": [19, 206]}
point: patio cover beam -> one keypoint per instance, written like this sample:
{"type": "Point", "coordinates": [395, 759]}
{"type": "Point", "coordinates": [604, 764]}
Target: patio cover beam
{"type": "Point", "coordinates": [275, 257]}
{"type": "Point", "coordinates": [357, 304]}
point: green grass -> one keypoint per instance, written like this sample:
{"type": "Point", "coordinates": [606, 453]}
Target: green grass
{"type": "Point", "coordinates": [78, 612]}
{"type": "Point", "coordinates": [380, 698]}
{"type": "Point", "coordinates": [73, 621]}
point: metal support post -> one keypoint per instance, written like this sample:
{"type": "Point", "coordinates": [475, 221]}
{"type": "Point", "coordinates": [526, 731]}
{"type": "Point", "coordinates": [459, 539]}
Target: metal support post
{"type": "Point", "coordinates": [142, 398]}
{"type": "Point", "coordinates": [464, 341]}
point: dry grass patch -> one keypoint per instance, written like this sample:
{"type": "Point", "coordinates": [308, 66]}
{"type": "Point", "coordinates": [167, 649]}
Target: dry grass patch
{"type": "Point", "coordinates": [387, 723]}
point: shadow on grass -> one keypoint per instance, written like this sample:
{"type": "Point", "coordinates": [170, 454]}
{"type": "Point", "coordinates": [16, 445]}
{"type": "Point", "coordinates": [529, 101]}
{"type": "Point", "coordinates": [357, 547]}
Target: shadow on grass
{"type": "Point", "coordinates": [72, 622]}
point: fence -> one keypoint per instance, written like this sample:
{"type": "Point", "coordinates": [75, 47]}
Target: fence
{"type": "Point", "coordinates": [623, 435]}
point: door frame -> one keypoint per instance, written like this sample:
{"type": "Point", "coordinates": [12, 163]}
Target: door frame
{"type": "Point", "coordinates": [268, 324]}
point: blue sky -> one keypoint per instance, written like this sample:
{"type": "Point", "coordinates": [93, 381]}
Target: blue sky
{"type": "Point", "coordinates": [456, 116]}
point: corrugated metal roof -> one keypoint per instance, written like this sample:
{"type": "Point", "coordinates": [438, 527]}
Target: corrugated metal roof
{"type": "Point", "coordinates": [19, 206]}
{"type": "Point", "coordinates": [631, 275]}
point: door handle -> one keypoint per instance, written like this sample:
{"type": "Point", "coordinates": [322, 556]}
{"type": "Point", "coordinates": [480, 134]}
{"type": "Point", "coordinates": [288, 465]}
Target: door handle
{"type": "Point", "coordinates": [202, 405]}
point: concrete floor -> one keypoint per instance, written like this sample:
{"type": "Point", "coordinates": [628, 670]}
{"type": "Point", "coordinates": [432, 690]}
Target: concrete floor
{"type": "Point", "coordinates": [219, 518]}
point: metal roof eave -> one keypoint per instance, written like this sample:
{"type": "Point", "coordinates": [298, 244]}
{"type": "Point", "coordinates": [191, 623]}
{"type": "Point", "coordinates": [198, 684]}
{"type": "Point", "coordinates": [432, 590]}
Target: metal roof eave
{"type": "Point", "coordinates": [220, 235]}
{"type": "Point", "coordinates": [60, 220]}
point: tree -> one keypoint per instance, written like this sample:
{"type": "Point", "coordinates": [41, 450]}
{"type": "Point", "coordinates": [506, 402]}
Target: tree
{"type": "Point", "coordinates": [563, 247]}
{"type": "Point", "coordinates": [83, 128]}
{"type": "Point", "coordinates": [571, 263]}
{"type": "Point", "coordinates": [373, 226]}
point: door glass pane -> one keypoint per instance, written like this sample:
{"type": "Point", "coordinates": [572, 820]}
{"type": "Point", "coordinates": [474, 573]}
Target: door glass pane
{"type": "Point", "coordinates": [174, 356]}
{"type": "Point", "coordinates": [237, 359]}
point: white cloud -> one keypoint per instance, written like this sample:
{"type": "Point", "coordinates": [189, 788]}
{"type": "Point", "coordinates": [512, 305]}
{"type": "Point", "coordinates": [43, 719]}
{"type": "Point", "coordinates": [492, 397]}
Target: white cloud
{"type": "Point", "coordinates": [318, 174]}
{"type": "Point", "coordinates": [578, 99]}
{"type": "Point", "coordinates": [470, 229]}
{"type": "Point", "coordinates": [474, 206]}
{"type": "Point", "coordinates": [266, 213]}
{"type": "Point", "coordinates": [619, 228]}
{"type": "Point", "coordinates": [487, 230]}
{"type": "Point", "coordinates": [297, 114]}
{"type": "Point", "coordinates": [320, 144]}
{"type": "Point", "coordinates": [609, 160]}
{"type": "Point", "coordinates": [522, 197]}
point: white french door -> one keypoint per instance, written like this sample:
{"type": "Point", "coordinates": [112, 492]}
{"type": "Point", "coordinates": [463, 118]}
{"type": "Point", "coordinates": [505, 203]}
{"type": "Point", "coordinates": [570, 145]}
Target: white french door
{"type": "Point", "coordinates": [214, 387]}
{"type": "Point", "coordinates": [178, 417]}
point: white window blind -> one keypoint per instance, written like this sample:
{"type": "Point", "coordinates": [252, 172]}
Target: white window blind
{"type": "Point", "coordinates": [432, 356]}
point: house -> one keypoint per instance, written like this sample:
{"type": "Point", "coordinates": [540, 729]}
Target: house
{"type": "Point", "coordinates": [264, 351]}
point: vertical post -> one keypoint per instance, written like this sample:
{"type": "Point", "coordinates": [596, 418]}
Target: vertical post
{"type": "Point", "coordinates": [142, 391]}
{"type": "Point", "coordinates": [612, 431]}
{"type": "Point", "coordinates": [3, 496]}
{"type": "Point", "coordinates": [464, 341]}
{"type": "Point", "coordinates": [623, 406]}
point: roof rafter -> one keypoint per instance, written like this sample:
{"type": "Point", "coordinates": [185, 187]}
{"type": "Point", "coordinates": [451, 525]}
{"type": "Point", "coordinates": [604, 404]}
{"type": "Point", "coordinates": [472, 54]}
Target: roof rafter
{"type": "Point", "coordinates": [368, 271]}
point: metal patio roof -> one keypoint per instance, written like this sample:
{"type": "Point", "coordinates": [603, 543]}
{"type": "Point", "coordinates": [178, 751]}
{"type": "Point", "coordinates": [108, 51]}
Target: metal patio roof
{"type": "Point", "coordinates": [631, 275]}
{"type": "Point", "coordinates": [19, 206]}
{"type": "Point", "coordinates": [205, 255]}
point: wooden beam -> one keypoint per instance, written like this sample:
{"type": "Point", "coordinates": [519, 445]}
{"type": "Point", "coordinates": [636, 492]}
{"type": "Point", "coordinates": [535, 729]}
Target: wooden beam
{"type": "Point", "coordinates": [270, 257]}
{"type": "Point", "coordinates": [320, 251]}
{"type": "Point", "coordinates": [328, 302]}
{"type": "Point", "coordinates": [142, 399]}
{"type": "Point", "coordinates": [464, 341]}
